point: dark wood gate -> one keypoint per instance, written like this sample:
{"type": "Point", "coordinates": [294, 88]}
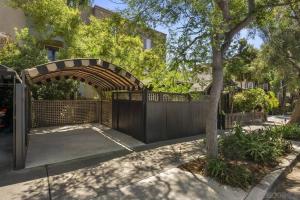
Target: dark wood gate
{"type": "Point", "coordinates": [152, 117]}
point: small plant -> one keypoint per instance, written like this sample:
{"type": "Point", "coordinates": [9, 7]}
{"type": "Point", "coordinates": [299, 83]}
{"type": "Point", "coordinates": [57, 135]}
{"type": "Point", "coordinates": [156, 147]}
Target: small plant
{"type": "Point", "coordinates": [230, 174]}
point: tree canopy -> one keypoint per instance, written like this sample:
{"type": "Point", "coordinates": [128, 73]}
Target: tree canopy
{"type": "Point", "coordinates": [203, 31]}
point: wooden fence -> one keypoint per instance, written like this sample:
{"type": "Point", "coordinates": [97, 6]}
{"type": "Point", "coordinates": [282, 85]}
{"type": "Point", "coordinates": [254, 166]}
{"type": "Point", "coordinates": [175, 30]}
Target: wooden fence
{"type": "Point", "coordinates": [152, 116]}
{"type": "Point", "coordinates": [244, 118]}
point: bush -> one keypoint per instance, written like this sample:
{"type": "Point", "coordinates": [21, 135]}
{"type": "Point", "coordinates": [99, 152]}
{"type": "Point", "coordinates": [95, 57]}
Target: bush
{"type": "Point", "coordinates": [254, 99]}
{"type": "Point", "coordinates": [271, 101]}
{"type": "Point", "coordinates": [289, 131]}
{"type": "Point", "coordinates": [232, 146]}
{"type": "Point", "coordinates": [263, 146]}
{"type": "Point", "coordinates": [226, 173]}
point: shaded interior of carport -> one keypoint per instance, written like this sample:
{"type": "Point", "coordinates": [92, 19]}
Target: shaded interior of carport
{"type": "Point", "coordinates": [8, 80]}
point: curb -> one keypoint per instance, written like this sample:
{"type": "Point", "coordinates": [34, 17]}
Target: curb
{"type": "Point", "coordinates": [268, 183]}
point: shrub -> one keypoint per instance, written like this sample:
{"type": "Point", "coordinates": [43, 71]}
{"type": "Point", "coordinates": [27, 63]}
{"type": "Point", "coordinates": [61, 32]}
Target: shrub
{"type": "Point", "coordinates": [230, 174]}
{"type": "Point", "coordinates": [251, 99]}
{"type": "Point", "coordinates": [289, 131]}
{"type": "Point", "coordinates": [263, 146]}
{"type": "Point", "coordinates": [271, 101]}
{"type": "Point", "coordinates": [232, 146]}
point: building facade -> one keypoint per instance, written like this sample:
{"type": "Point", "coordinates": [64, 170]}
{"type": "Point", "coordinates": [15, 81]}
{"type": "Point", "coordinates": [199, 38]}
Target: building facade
{"type": "Point", "coordinates": [16, 19]}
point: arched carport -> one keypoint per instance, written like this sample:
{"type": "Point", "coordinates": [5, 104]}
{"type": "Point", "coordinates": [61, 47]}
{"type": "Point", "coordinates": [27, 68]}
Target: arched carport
{"type": "Point", "coordinates": [101, 74]}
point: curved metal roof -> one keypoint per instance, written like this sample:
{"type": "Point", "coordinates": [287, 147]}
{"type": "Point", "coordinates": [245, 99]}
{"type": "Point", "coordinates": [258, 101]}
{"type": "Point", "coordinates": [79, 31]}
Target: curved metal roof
{"type": "Point", "coordinates": [98, 73]}
{"type": "Point", "coordinates": [7, 73]}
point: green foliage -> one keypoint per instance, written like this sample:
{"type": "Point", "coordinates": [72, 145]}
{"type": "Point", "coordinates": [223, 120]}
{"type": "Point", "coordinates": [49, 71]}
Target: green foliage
{"type": "Point", "coordinates": [271, 101]}
{"type": "Point", "coordinates": [109, 40]}
{"type": "Point", "coordinates": [261, 146]}
{"type": "Point", "coordinates": [51, 18]}
{"type": "Point", "coordinates": [24, 52]}
{"type": "Point", "coordinates": [251, 99]}
{"type": "Point", "coordinates": [289, 131]}
{"type": "Point", "coordinates": [238, 63]}
{"type": "Point", "coordinates": [282, 49]}
{"type": "Point", "coordinates": [230, 174]}
{"type": "Point", "coordinates": [57, 90]}
{"type": "Point", "coordinates": [191, 40]}
{"type": "Point", "coordinates": [79, 3]}
{"type": "Point", "coordinates": [117, 41]}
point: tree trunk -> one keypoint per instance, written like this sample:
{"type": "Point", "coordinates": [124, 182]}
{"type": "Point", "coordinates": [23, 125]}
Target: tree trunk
{"type": "Point", "coordinates": [283, 96]}
{"type": "Point", "coordinates": [295, 118]}
{"type": "Point", "coordinates": [215, 92]}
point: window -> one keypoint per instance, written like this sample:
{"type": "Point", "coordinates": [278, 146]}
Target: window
{"type": "Point", "coordinates": [250, 85]}
{"type": "Point", "coordinates": [266, 86]}
{"type": "Point", "coordinates": [147, 43]}
{"type": "Point", "coordinates": [51, 52]}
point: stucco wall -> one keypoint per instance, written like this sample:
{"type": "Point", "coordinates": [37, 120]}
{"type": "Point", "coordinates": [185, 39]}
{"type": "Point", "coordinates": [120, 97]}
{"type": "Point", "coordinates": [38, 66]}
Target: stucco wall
{"type": "Point", "coordinates": [10, 19]}
{"type": "Point", "coordinates": [87, 91]}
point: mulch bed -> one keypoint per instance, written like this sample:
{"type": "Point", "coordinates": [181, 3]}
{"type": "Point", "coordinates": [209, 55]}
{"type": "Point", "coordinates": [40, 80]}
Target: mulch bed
{"type": "Point", "coordinates": [198, 166]}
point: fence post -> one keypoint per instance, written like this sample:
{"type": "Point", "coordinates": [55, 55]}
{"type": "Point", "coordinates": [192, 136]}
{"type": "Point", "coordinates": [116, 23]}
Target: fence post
{"type": "Point", "coordinates": [160, 96]}
{"type": "Point", "coordinates": [144, 108]}
{"type": "Point", "coordinates": [20, 128]}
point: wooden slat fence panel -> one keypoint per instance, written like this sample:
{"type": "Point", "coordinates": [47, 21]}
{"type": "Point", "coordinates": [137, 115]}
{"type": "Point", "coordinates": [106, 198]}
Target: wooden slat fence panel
{"type": "Point", "coordinates": [244, 118]}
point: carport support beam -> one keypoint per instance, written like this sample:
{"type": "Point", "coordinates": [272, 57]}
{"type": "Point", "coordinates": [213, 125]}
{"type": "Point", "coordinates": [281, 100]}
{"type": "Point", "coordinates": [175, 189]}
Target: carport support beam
{"type": "Point", "coordinates": [19, 135]}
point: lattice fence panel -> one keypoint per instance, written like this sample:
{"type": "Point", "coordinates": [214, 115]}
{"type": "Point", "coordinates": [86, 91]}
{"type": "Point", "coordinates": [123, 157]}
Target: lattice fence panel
{"type": "Point", "coordinates": [62, 112]}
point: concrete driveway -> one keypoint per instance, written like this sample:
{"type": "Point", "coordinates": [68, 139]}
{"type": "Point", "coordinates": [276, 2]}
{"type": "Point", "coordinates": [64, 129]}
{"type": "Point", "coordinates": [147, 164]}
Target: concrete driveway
{"type": "Point", "coordinates": [59, 144]}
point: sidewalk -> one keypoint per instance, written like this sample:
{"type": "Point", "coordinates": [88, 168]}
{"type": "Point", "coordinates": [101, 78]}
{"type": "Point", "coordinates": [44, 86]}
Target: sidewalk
{"type": "Point", "coordinates": [102, 179]}
{"type": "Point", "coordinates": [176, 184]}
{"type": "Point", "coordinates": [289, 188]}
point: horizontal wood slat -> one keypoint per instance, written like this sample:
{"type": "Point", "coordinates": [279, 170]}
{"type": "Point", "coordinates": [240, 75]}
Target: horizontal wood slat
{"type": "Point", "coordinates": [244, 118]}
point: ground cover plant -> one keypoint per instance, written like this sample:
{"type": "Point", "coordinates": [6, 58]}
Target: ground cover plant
{"type": "Point", "coordinates": [245, 157]}
{"type": "Point", "coordinates": [289, 131]}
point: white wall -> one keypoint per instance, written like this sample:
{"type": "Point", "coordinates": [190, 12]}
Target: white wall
{"type": "Point", "coordinates": [88, 92]}
{"type": "Point", "coordinates": [10, 19]}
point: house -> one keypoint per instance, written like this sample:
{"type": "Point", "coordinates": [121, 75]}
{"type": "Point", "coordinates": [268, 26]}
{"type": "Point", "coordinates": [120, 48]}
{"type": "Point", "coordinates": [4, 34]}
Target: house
{"type": "Point", "coordinates": [18, 20]}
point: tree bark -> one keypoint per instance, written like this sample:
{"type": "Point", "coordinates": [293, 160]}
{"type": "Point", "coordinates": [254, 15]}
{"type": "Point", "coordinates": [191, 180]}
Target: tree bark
{"type": "Point", "coordinates": [212, 117]}
{"type": "Point", "coordinates": [283, 100]}
{"type": "Point", "coordinates": [295, 118]}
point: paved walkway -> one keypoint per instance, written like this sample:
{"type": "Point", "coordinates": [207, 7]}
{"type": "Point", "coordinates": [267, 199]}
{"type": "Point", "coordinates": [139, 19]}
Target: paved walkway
{"type": "Point", "coordinates": [100, 180]}
{"type": "Point", "coordinates": [176, 184]}
{"type": "Point", "coordinates": [289, 188]}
